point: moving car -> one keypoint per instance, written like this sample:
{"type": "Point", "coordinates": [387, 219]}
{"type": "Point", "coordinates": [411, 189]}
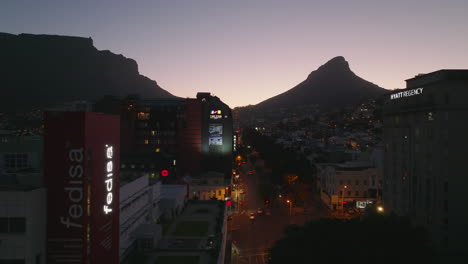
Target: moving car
{"type": "Point", "coordinates": [260, 211]}
{"type": "Point", "coordinates": [252, 216]}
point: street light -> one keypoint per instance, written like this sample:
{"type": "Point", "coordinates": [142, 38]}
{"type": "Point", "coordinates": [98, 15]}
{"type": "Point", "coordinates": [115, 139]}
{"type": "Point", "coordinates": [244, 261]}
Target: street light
{"type": "Point", "coordinates": [342, 198]}
{"type": "Point", "coordinates": [380, 209]}
{"type": "Point", "coordinates": [290, 206]}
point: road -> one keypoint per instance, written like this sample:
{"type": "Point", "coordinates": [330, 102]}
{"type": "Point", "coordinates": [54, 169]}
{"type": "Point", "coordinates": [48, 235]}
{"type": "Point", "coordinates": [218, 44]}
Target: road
{"type": "Point", "coordinates": [252, 238]}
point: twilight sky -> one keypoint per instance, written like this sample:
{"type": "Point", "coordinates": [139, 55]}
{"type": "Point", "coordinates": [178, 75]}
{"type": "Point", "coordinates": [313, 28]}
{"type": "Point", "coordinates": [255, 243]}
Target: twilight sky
{"type": "Point", "coordinates": [246, 51]}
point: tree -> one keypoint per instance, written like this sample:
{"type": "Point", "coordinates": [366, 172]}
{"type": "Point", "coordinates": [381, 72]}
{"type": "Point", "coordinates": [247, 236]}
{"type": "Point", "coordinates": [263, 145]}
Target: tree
{"type": "Point", "coordinates": [376, 239]}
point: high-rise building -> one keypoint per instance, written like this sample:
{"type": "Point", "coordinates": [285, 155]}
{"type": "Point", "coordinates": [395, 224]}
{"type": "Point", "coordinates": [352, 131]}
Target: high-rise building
{"type": "Point", "coordinates": [82, 151]}
{"type": "Point", "coordinates": [217, 135]}
{"type": "Point", "coordinates": [425, 136]}
{"type": "Point", "coordinates": [195, 134]}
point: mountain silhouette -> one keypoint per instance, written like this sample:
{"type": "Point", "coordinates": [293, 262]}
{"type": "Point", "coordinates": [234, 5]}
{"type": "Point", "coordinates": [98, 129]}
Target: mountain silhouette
{"type": "Point", "coordinates": [332, 85]}
{"type": "Point", "coordinates": [44, 70]}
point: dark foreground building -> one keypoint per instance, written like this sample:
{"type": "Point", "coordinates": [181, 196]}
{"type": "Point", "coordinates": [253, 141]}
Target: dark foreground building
{"type": "Point", "coordinates": [82, 181]}
{"type": "Point", "coordinates": [425, 135]}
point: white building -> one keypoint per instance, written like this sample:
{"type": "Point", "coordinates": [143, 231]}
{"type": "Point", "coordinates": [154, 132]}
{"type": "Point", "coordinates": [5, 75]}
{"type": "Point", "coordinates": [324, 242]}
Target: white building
{"type": "Point", "coordinates": [139, 206]}
{"type": "Point", "coordinates": [22, 225]}
{"type": "Point", "coordinates": [173, 200]}
{"type": "Point", "coordinates": [355, 181]}
{"type": "Point", "coordinates": [22, 200]}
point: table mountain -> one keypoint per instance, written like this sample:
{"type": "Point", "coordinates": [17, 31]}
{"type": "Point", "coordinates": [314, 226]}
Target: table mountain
{"type": "Point", "coordinates": [44, 70]}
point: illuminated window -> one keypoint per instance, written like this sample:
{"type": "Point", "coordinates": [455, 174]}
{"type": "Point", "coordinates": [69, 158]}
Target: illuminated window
{"type": "Point", "coordinates": [430, 116]}
{"type": "Point", "coordinates": [146, 141]}
{"type": "Point", "coordinates": [143, 116]}
{"type": "Point", "coordinates": [157, 149]}
{"type": "Point", "coordinates": [153, 132]}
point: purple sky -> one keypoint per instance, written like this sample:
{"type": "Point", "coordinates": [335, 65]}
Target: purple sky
{"type": "Point", "coordinates": [246, 51]}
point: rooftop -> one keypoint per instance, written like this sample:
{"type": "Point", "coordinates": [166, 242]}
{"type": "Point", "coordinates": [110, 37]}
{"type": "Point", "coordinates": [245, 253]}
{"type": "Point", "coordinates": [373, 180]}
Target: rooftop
{"type": "Point", "coordinates": [189, 236]}
{"type": "Point", "coordinates": [437, 76]}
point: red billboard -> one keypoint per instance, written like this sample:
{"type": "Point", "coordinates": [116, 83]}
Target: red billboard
{"type": "Point", "coordinates": [81, 171]}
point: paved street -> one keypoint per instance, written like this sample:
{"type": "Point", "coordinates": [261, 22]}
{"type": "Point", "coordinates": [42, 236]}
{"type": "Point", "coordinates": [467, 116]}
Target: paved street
{"type": "Point", "coordinates": [254, 237]}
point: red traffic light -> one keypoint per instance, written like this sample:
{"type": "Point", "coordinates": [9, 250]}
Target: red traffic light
{"type": "Point", "coordinates": [164, 173]}
{"type": "Point", "coordinates": [228, 202]}
{"type": "Point", "coordinates": [240, 203]}
{"type": "Point", "coordinates": [267, 201]}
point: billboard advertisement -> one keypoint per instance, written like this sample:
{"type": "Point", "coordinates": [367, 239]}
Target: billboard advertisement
{"type": "Point", "coordinates": [81, 167]}
{"type": "Point", "coordinates": [215, 132]}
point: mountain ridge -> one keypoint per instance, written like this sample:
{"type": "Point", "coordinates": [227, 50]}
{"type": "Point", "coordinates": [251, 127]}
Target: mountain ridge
{"type": "Point", "coordinates": [333, 84]}
{"type": "Point", "coordinates": [44, 70]}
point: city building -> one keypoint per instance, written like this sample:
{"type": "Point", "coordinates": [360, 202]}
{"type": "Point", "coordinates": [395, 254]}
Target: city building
{"type": "Point", "coordinates": [196, 133]}
{"type": "Point", "coordinates": [22, 199]}
{"type": "Point", "coordinates": [217, 135]}
{"type": "Point", "coordinates": [23, 194]}
{"type": "Point", "coordinates": [425, 128]}
{"type": "Point", "coordinates": [81, 174]}
{"type": "Point", "coordinates": [22, 223]}
{"type": "Point", "coordinates": [211, 185]}
{"type": "Point", "coordinates": [173, 200]}
{"type": "Point", "coordinates": [139, 214]}
{"type": "Point", "coordinates": [357, 183]}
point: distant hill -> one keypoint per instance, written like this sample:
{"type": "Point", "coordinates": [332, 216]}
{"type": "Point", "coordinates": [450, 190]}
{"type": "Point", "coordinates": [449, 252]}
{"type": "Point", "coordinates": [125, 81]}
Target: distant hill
{"type": "Point", "coordinates": [44, 70]}
{"type": "Point", "coordinates": [332, 85]}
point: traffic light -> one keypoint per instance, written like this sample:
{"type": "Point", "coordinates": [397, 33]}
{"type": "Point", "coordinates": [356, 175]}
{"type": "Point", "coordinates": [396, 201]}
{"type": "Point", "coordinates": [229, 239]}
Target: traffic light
{"type": "Point", "coordinates": [267, 201]}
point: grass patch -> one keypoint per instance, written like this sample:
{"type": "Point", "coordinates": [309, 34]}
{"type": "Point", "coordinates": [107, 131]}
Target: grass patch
{"type": "Point", "coordinates": [191, 228]}
{"type": "Point", "coordinates": [177, 260]}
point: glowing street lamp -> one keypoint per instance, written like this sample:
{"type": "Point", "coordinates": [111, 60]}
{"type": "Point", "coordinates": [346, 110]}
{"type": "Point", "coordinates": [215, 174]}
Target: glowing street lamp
{"type": "Point", "coordinates": [342, 197]}
{"type": "Point", "coordinates": [380, 209]}
{"type": "Point", "coordinates": [290, 206]}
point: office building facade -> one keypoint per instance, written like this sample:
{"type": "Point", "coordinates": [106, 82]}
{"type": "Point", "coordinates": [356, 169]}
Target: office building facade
{"type": "Point", "coordinates": [82, 181]}
{"type": "Point", "coordinates": [425, 128]}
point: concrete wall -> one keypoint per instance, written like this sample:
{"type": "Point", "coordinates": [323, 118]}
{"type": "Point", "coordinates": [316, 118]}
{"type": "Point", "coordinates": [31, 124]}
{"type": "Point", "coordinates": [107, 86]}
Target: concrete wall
{"type": "Point", "coordinates": [29, 245]}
